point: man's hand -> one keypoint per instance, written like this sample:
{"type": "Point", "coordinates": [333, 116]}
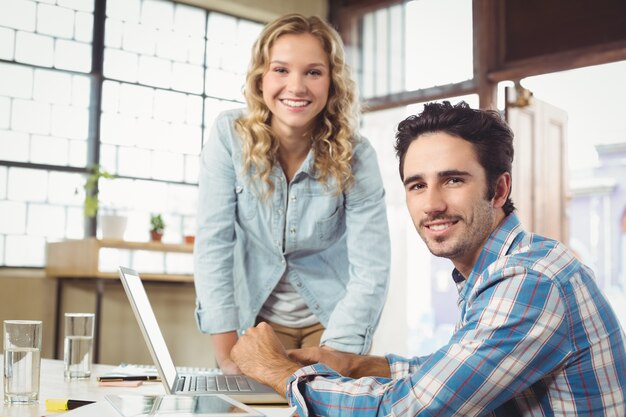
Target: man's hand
{"type": "Point", "coordinates": [347, 364]}
{"type": "Point", "coordinates": [260, 355]}
{"type": "Point", "coordinates": [339, 361]}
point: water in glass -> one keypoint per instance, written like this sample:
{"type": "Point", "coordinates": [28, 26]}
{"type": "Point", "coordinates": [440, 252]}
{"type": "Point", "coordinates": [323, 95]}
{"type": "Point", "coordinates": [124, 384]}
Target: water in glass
{"type": "Point", "coordinates": [21, 374]}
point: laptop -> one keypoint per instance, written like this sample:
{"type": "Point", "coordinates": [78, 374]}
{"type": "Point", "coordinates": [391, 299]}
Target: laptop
{"type": "Point", "coordinates": [239, 387]}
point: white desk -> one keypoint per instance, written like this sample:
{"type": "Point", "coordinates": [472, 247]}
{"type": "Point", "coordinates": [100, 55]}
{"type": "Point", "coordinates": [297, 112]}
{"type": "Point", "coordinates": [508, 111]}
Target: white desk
{"type": "Point", "coordinates": [54, 386]}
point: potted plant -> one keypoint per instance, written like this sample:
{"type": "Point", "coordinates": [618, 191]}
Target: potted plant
{"type": "Point", "coordinates": [113, 225]}
{"type": "Point", "coordinates": [157, 225]}
{"type": "Point", "coordinates": [91, 193]}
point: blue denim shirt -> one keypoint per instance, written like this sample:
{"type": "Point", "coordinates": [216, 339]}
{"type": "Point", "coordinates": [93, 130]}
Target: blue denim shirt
{"type": "Point", "coordinates": [333, 247]}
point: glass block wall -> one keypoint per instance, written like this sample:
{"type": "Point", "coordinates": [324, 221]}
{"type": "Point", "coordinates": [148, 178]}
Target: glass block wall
{"type": "Point", "coordinates": [167, 70]}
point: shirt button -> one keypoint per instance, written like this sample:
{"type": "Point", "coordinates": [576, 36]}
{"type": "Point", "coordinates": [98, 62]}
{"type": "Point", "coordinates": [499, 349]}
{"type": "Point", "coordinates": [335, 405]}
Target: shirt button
{"type": "Point", "coordinates": [293, 198]}
{"type": "Point", "coordinates": [317, 307]}
{"type": "Point", "coordinates": [292, 230]}
{"type": "Point", "coordinates": [282, 261]}
{"type": "Point", "coordinates": [299, 284]}
{"type": "Point", "coordinates": [280, 211]}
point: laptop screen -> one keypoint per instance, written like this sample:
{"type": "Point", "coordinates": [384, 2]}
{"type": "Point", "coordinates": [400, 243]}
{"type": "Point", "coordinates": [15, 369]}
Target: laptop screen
{"type": "Point", "coordinates": [149, 326]}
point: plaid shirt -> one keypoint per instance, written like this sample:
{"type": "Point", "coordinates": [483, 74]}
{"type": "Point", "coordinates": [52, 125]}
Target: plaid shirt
{"type": "Point", "coordinates": [535, 338]}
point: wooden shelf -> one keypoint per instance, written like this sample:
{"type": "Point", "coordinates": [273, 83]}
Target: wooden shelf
{"type": "Point", "coordinates": [81, 258]}
{"type": "Point", "coordinates": [154, 246]}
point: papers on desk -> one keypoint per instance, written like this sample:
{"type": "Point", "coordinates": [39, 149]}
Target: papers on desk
{"type": "Point", "coordinates": [132, 372]}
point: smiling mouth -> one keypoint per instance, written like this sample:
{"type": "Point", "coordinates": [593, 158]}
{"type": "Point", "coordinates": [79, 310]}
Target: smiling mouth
{"type": "Point", "coordinates": [295, 103]}
{"type": "Point", "coordinates": [439, 227]}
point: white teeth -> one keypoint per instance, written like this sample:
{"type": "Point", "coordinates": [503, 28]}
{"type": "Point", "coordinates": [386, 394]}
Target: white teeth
{"type": "Point", "coordinates": [438, 227]}
{"type": "Point", "coordinates": [292, 103]}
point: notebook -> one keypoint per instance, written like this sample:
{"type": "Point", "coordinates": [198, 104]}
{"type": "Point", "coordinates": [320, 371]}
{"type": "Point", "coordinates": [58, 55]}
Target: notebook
{"type": "Point", "coordinates": [239, 387]}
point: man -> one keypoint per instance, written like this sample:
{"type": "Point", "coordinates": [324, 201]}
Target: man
{"type": "Point", "coordinates": [535, 337]}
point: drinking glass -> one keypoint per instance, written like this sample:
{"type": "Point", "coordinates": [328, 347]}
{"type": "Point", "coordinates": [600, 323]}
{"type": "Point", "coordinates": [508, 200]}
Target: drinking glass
{"type": "Point", "coordinates": [22, 361]}
{"type": "Point", "coordinates": [78, 345]}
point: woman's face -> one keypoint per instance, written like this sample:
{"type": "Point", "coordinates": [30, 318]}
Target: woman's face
{"type": "Point", "coordinates": [296, 84]}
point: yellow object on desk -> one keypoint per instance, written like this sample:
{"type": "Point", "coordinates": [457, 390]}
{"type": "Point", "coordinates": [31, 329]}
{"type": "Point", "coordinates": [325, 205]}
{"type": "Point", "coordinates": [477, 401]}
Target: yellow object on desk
{"type": "Point", "coordinates": [61, 404]}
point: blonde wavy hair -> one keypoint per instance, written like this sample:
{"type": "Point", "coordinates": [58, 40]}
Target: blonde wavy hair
{"type": "Point", "coordinates": [334, 132]}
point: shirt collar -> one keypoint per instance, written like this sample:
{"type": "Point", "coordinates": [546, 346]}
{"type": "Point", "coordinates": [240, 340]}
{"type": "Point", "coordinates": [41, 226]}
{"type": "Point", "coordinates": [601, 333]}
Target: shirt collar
{"type": "Point", "coordinates": [497, 245]}
{"type": "Point", "coordinates": [307, 168]}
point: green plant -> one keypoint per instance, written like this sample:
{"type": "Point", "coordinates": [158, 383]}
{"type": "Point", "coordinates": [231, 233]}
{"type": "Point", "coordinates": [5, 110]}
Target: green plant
{"type": "Point", "coordinates": [91, 188]}
{"type": "Point", "coordinates": [157, 224]}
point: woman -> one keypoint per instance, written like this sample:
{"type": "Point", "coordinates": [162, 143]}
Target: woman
{"type": "Point", "coordinates": [292, 225]}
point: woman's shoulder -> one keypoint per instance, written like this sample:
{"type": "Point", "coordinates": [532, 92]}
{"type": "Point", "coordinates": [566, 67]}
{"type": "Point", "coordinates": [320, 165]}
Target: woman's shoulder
{"type": "Point", "coordinates": [359, 139]}
{"type": "Point", "coordinates": [223, 132]}
{"type": "Point", "coordinates": [224, 125]}
{"type": "Point", "coordinates": [361, 146]}
{"type": "Point", "coordinates": [230, 116]}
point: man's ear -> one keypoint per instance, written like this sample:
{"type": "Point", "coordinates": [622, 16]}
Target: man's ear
{"type": "Point", "coordinates": [503, 189]}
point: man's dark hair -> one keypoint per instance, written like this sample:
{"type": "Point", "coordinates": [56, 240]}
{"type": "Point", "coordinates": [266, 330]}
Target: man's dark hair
{"type": "Point", "coordinates": [485, 129]}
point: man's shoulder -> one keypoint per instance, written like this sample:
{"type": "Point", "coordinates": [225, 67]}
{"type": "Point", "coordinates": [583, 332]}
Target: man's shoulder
{"type": "Point", "coordinates": [543, 256]}
{"type": "Point", "coordinates": [535, 245]}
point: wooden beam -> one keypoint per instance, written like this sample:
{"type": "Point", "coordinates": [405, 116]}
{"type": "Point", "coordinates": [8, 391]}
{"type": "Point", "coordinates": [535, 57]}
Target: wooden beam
{"type": "Point", "coordinates": [418, 96]}
{"type": "Point", "coordinates": [487, 47]}
{"type": "Point", "coordinates": [560, 62]}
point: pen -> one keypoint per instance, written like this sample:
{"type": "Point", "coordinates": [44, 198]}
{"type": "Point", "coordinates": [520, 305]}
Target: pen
{"type": "Point", "coordinates": [61, 404]}
{"type": "Point", "coordinates": [128, 378]}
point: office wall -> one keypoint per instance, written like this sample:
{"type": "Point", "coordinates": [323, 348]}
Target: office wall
{"type": "Point", "coordinates": [28, 294]}
{"type": "Point", "coordinates": [264, 10]}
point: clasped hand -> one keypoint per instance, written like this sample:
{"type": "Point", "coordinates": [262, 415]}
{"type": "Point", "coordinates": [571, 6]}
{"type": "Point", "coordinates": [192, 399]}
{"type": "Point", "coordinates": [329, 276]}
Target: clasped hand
{"type": "Point", "coordinates": [260, 355]}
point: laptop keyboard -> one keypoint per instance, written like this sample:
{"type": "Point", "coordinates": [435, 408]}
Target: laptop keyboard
{"type": "Point", "coordinates": [220, 383]}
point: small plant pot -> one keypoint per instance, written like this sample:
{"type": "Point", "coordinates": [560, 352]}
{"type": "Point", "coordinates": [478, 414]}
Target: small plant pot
{"type": "Point", "coordinates": [112, 226]}
{"type": "Point", "coordinates": [155, 236]}
{"type": "Point", "coordinates": [189, 239]}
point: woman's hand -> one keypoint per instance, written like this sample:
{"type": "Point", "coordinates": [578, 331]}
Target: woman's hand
{"type": "Point", "coordinates": [229, 367]}
{"type": "Point", "coordinates": [223, 344]}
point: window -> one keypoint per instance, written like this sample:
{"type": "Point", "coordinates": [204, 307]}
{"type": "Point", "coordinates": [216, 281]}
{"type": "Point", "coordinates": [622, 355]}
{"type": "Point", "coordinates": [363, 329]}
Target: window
{"type": "Point", "coordinates": [413, 45]}
{"type": "Point", "coordinates": [405, 54]}
{"type": "Point", "coordinates": [167, 70]}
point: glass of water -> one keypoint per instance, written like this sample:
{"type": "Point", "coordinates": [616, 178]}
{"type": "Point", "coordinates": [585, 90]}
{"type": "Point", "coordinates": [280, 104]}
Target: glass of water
{"type": "Point", "coordinates": [22, 361]}
{"type": "Point", "coordinates": [78, 345]}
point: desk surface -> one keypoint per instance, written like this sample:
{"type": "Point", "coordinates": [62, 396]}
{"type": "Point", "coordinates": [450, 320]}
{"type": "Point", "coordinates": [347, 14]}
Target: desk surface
{"type": "Point", "coordinates": [54, 386]}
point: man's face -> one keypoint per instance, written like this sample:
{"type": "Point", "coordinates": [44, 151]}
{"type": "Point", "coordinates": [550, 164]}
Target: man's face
{"type": "Point", "coordinates": [446, 191]}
